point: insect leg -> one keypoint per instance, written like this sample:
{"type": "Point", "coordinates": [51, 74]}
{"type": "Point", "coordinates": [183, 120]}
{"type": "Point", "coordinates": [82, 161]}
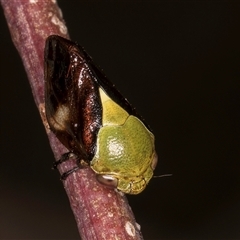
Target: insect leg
{"type": "Point", "coordinates": [66, 174]}
{"type": "Point", "coordinates": [63, 158]}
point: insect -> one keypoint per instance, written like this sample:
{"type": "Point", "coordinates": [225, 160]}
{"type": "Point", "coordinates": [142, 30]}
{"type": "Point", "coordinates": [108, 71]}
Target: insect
{"type": "Point", "coordinates": [94, 121]}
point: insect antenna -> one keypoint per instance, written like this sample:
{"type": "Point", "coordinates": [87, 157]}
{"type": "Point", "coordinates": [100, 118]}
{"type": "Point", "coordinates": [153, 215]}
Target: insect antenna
{"type": "Point", "coordinates": [163, 175]}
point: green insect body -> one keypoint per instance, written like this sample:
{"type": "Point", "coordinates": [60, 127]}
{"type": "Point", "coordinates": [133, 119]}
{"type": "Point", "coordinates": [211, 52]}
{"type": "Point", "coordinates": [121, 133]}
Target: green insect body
{"type": "Point", "coordinates": [92, 119]}
{"type": "Point", "coordinates": [125, 148]}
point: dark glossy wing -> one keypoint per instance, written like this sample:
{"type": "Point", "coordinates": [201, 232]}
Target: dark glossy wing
{"type": "Point", "coordinates": [73, 106]}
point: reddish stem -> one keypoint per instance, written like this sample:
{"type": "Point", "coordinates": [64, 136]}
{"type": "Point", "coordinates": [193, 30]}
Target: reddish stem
{"type": "Point", "coordinates": [100, 213]}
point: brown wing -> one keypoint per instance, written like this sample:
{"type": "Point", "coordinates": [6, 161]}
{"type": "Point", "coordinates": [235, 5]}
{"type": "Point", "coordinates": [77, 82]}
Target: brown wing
{"type": "Point", "coordinates": [73, 106]}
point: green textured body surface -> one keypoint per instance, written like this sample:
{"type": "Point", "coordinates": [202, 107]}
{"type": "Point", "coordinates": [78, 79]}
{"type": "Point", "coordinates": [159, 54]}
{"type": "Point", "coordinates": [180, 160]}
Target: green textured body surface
{"type": "Point", "coordinates": [125, 148]}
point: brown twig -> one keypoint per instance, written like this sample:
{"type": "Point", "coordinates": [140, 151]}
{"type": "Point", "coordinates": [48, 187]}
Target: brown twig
{"type": "Point", "coordinates": [100, 213]}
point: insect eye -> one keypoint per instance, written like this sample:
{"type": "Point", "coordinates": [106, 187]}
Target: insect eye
{"type": "Point", "coordinates": [154, 161]}
{"type": "Point", "coordinates": [107, 180]}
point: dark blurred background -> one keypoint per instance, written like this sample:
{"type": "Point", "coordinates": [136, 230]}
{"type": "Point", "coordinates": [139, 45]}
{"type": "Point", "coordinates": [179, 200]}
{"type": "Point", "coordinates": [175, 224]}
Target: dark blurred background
{"type": "Point", "coordinates": [178, 63]}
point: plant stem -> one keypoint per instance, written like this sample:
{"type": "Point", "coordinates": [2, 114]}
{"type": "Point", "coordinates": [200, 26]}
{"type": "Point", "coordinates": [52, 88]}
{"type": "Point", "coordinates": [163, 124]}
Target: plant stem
{"type": "Point", "coordinates": [100, 213]}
